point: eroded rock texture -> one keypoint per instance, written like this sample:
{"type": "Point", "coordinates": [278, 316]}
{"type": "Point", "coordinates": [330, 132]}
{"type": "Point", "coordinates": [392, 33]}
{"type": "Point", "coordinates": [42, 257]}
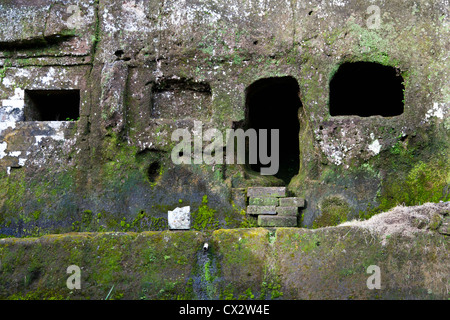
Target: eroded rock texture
{"type": "Point", "coordinates": [143, 68]}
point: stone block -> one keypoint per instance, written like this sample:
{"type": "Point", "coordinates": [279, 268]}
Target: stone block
{"type": "Point", "coordinates": [287, 211]}
{"type": "Point", "coordinates": [292, 202]}
{"type": "Point", "coordinates": [256, 210]}
{"type": "Point", "coordinates": [258, 192]}
{"type": "Point", "coordinates": [277, 221]}
{"type": "Point", "coordinates": [180, 218]}
{"type": "Point", "coordinates": [263, 201]}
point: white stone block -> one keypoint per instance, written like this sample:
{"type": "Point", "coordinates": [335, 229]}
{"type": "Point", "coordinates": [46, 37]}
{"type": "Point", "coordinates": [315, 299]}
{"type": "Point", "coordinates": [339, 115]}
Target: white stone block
{"type": "Point", "coordinates": [180, 218]}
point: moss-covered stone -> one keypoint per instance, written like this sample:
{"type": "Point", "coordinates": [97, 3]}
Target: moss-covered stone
{"type": "Point", "coordinates": [334, 211]}
{"type": "Point", "coordinates": [258, 263]}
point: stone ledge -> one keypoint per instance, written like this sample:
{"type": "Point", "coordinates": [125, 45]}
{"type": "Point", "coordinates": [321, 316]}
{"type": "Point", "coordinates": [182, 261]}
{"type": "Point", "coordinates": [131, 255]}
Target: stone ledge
{"type": "Point", "coordinates": [292, 202]}
{"type": "Point", "coordinates": [277, 221]}
{"type": "Point", "coordinates": [287, 211]}
{"type": "Point", "coordinates": [263, 201]}
{"type": "Point", "coordinates": [243, 257]}
{"type": "Point", "coordinates": [257, 210]}
{"type": "Point", "coordinates": [256, 192]}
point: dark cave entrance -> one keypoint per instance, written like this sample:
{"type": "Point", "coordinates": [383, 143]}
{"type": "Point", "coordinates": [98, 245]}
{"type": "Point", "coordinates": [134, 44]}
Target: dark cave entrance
{"type": "Point", "coordinates": [366, 89]}
{"type": "Point", "coordinates": [153, 171]}
{"type": "Point", "coordinates": [274, 103]}
{"type": "Point", "coordinates": [52, 105]}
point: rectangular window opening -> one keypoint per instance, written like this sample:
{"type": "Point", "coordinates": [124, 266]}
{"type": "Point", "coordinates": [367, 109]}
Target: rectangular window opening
{"type": "Point", "coordinates": [367, 89]}
{"type": "Point", "coordinates": [52, 105]}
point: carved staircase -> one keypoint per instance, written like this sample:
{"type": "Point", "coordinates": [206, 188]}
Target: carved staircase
{"type": "Point", "coordinates": [272, 207]}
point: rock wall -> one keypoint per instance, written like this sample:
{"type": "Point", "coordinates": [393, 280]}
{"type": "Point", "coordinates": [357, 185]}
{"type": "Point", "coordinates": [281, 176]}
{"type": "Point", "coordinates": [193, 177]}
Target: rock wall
{"type": "Point", "coordinates": [246, 264]}
{"type": "Point", "coordinates": [145, 68]}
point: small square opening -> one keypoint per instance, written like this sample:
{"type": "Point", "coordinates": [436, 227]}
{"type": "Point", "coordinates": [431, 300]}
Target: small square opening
{"type": "Point", "coordinates": [52, 105]}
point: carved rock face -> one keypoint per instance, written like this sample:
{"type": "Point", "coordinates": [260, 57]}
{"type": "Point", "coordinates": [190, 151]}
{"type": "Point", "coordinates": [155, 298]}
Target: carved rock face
{"type": "Point", "coordinates": [144, 69]}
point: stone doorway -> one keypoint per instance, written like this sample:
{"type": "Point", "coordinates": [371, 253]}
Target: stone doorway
{"type": "Point", "coordinates": [274, 103]}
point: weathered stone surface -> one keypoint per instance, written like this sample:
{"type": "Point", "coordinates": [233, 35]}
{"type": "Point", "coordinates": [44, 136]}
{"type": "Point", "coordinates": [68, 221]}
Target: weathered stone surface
{"type": "Point", "coordinates": [255, 192]}
{"type": "Point", "coordinates": [112, 101]}
{"type": "Point", "coordinates": [263, 201]}
{"type": "Point", "coordinates": [63, 27]}
{"type": "Point", "coordinates": [256, 210]}
{"type": "Point", "coordinates": [292, 202]}
{"type": "Point", "coordinates": [146, 68]}
{"type": "Point", "coordinates": [178, 99]}
{"type": "Point", "coordinates": [277, 221]}
{"type": "Point", "coordinates": [445, 226]}
{"type": "Point", "coordinates": [287, 211]}
{"type": "Point", "coordinates": [271, 264]}
{"type": "Point", "coordinates": [180, 218]}
{"type": "Point", "coordinates": [239, 197]}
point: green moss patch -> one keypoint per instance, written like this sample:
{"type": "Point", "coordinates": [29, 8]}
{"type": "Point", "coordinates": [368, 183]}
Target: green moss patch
{"type": "Point", "coordinates": [334, 211]}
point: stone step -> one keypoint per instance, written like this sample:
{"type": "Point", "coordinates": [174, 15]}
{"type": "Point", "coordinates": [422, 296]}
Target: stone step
{"type": "Point", "coordinates": [263, 201]}
{"type": "Point", "coordinates": [277, 221]}
{"type": "Point", "coordinates": [287, 211]}
{"type": "Point", "coordinates": [257, 210]}
{"type": "Point", "coordinates": [292, 202]}
{"type": "Point", "coordinates": [257, 192]}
